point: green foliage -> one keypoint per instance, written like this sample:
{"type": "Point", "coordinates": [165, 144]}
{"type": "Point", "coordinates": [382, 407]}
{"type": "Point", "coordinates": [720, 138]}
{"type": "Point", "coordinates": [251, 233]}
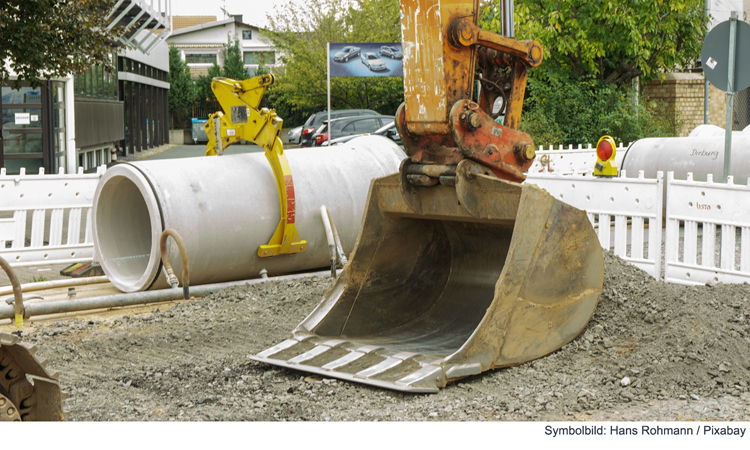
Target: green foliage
{"type": "Point", "coordinates": [52, 38]}
{"type": "Point", "coordinates": [300, 34]}
{"type": "Point", "coordinates": [182, 92]}
{"type": "Point", "coordinates": [38, 279]}
{"type": "Point", "coordinates": [609, 41]}
{"type": "Point", "coordinates": [579, 113]}
{"type": "Point", "coordinates": [234, 67]}
{"type": "Point", "coordinates": [206, 100]}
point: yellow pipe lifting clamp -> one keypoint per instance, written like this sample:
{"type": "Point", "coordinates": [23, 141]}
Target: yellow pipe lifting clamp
{"type": "Point", "coordinates": [240, 99]}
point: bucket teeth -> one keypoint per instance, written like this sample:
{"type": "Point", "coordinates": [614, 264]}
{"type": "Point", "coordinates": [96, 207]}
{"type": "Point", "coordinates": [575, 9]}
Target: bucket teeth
{"type": "Point", "coordinates": [351, 357]}
{"type": "Point", "coordinates": [31, 348]}
{"type": "Point", "coordinates": [278, 348]}
{"type": "Point", "coordinates": [315, 352]}
{"type": "Point", "coordinates": [428, 374]}
{"type": "Point", "coordinates": [373, 364]}
{"type": "Point", "coordinates": [388, 364]}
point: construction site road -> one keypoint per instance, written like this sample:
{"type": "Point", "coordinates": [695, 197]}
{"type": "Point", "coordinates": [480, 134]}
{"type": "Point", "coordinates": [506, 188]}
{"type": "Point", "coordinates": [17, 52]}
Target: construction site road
{"type": "Point", "coordinates": [653, 351]}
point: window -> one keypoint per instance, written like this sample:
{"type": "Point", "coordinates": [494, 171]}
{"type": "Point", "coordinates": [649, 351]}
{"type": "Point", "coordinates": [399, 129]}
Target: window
{"type": "Point", "coordinates": [96, 82]}
{"type": "Point", "coordinates": [265, 58]}
{"type": "Point", "coordinates": [247, 34]}
{"type": "Point", "coordinates": [200, 58]}
{"type": "Point", "coordinates": [362, 126]}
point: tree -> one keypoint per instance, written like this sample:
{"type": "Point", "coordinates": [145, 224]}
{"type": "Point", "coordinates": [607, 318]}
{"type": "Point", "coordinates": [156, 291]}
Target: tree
{"type": "Point", "coordinates": [557, 113]}
{"type": "Point", "coordinates": [301, 33]}
{"type": "Point", "coordinates": [52, 38]}
{"type": "Point", "coordinates": [234, 66]}
{"type": "Point", "coordinates": [610, 41]}
{"type": "Point", "coordinates": [182, 91]}
{"type": "Point", "coordinates": [206, 100]}
{"type": "Point", "coordinates": [592, 51]}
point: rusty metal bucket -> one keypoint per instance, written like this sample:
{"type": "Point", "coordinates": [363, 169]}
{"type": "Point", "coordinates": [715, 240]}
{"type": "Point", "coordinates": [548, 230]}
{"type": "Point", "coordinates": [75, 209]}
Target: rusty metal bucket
{"type": "Point", "coordinates": [450, 281]}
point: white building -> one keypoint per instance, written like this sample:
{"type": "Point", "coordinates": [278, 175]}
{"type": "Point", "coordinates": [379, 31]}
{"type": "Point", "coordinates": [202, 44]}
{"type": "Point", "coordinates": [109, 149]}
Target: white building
{"type": "Point", "coordinates": [201, 42]}
{"type": "Point", "coordinates": [81, 120]}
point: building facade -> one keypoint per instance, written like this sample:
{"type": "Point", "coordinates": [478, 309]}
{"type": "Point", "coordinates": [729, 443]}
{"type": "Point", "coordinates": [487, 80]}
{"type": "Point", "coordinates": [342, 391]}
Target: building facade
{"type": "Point", "coordinates": [201, 41]}
{"type": "Point", "coordinates": [85, 119]}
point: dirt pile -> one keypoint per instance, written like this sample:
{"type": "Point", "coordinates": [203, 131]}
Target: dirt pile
{"type": "Point", "coordinates": [652, 351]}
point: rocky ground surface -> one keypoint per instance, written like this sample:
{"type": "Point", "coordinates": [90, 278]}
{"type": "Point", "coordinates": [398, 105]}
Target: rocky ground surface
{"type": "Point", "coordinates": [652, 351]}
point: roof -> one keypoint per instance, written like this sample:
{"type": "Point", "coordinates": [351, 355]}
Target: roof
{"type": "Point", "coordinates": [202, 26]}
{"type": "Point", "coordinates": [180, 22]}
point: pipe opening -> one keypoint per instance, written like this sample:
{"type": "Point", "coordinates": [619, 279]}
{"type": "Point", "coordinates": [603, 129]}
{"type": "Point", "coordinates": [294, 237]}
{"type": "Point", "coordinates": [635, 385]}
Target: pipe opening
{"type": "Point", "coordinates": [123, 228]}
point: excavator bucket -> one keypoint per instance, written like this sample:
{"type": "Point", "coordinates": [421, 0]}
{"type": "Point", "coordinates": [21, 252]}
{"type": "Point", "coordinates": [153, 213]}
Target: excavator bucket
{"type": "Point", "coordinates": [451, 280]}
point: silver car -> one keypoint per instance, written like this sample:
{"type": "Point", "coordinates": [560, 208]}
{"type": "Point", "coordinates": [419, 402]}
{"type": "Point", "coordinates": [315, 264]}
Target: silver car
{"type": "Point", "coordinates": [346, 53]}
{"type": "Point", "coordinates": [390, 52]}
{"type": "Point", "coordinates": [372, 61]}
{"type": "Point", "coordinates": [294, 135]}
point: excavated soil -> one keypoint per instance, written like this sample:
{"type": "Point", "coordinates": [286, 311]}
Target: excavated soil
{"type": "Point", "coordinates": [653, 351]}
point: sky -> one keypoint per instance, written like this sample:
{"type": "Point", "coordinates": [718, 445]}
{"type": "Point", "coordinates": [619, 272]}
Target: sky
{"type": "Point", "coordinates": [253, 11]}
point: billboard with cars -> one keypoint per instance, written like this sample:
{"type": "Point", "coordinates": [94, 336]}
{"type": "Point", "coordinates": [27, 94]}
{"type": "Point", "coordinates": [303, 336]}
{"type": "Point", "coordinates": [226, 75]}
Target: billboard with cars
{"type": "Point", "coordinates": [367, 59]}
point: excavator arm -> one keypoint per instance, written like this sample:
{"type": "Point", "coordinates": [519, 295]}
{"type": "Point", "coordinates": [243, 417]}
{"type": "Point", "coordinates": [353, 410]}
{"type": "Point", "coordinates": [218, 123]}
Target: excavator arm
{"type": "Point", "coordinates": [438, 122]}
{"type": "Point", "coordinates": [243, 120]}
{"type": "Point", "coordinates": [459, 267]}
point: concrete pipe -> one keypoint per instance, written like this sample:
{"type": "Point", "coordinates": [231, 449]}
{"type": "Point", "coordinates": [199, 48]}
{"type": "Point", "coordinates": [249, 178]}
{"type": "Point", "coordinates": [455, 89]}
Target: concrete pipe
{"type": "Point", "coordinates": [225, 207]}
{"type": "Point", "coordinates": [702, 153]}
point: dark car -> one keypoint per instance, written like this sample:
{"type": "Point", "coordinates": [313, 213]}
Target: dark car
{"type": "Point", "coordinates": [390, 52]}
{"type": "Point", "coordinates": [388, 130]}
{"type": "Point", "coordinates": [314, 121]}
{"type": "Point", "coordinates": [349, 126]}
{"type": "Point", "coordinates": [347, 53]}
{"type": "Point", "coordinates": [373, 62]}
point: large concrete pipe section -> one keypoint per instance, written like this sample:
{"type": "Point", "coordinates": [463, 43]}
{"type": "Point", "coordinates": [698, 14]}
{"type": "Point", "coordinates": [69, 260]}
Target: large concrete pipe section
{"type": "Point", "coordinates": [225, 207]}
{"type": "Point", "coordinates": [702, 153]}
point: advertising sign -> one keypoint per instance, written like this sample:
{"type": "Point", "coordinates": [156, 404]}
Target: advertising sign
{"type": "Point", "coordinates": [367, 59]}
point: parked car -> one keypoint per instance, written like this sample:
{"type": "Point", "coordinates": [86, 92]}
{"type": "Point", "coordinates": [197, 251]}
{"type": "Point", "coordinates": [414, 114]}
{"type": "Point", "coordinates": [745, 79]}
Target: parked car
{"type": "Point", "coordinates": [294, 135]}
{"type": "Point", "coordinates": [347, 126]}
{"type": "Point", "coordinates": [372, 61]}
{"type": "Point", "coordinates": [388, 130]}
{"type": "Point", "coordinates": [346, 53]}
{"type": "Point", "coordinates": [313, 122]}
{"type": "Point", "coordinates": [390, 52]}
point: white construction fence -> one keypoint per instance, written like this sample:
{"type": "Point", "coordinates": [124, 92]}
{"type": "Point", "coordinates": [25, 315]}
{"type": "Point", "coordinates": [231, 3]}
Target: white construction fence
{"type": "Point", "coordinates": [567, 161]}
{"type": "Point", "coordinates": [690, 233]}
{"type": "Point", "coordinates": [46, 218]}
{"type": "Point", "coordinates": [696, 233]}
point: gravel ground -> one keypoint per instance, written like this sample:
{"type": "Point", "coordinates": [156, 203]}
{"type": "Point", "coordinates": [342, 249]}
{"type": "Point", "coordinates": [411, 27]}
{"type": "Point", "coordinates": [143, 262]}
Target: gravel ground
{"type": "Point", "coordinates": [653, 351]}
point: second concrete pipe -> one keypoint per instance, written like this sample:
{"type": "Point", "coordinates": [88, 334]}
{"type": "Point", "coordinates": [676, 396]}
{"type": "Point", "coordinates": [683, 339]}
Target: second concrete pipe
{"type": "Point", "coordinates": [225, 207]}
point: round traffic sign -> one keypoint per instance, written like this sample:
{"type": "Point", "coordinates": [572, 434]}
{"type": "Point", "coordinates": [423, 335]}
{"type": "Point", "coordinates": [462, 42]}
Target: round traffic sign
{"type": "Point", "coordinates": [715, 56]}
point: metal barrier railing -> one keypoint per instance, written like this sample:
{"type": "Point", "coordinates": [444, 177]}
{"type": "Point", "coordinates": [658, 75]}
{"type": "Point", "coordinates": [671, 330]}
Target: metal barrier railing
{"type": "Point", "coordinates": [47, 218]}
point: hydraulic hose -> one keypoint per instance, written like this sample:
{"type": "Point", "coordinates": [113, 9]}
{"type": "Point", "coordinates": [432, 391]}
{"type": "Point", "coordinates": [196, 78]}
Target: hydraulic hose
{"type": "Point", "coordinates": [168, 266]}
{"type": "Point", "coordinates": [18, 309]}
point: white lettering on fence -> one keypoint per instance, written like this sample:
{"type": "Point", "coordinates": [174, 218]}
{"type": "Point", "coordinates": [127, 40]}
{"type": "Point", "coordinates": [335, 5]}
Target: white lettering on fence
{"type": "Point", "coordinates": [708, 232]}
